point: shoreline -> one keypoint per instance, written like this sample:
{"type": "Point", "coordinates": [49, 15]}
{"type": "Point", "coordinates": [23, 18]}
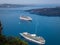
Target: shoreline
{"type": "Point", "coordinates": [46, 11]}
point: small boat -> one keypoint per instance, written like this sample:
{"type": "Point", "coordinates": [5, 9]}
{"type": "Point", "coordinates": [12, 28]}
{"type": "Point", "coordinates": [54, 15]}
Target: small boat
{"type": "Point", "coordinates": [27, 18]}
{"type": "Point", "coordinates": [33, 37]}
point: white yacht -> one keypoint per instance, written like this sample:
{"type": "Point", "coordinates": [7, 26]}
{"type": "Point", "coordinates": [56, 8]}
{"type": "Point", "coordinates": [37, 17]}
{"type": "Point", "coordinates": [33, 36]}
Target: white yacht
{"type": "Point", "coordinates": [27, 18]}
{"type": "Point", "coordinates": [33, 37]}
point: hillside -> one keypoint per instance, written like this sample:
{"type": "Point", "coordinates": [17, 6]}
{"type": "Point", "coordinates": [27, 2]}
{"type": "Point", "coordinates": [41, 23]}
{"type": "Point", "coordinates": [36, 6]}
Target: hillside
{"type": "Point", "coordinates": [46, 11]}
{"type": "Point", "coordinates": [11, 5]}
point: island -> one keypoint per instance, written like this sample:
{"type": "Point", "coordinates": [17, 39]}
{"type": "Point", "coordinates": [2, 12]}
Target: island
{"type": "Point", "coordinates": [46, 11]}
{"type": "Point", "coordinates": [11, 5]}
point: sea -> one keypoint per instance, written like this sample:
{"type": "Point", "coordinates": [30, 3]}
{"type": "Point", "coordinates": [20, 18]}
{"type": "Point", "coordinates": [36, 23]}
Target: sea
{"type": "Point", "coordinates": [47, 27]}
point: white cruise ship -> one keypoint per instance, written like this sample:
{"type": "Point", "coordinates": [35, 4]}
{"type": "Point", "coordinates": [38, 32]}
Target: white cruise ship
{"type": "Point", "coordinates": [27, 18]}
{"type": "Point", "coordinates": [33, 37]}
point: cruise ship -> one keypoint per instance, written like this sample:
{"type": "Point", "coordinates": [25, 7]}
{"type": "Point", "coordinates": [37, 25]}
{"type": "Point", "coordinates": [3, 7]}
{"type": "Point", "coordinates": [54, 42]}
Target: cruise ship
{"type": "Point", "coordinates": [27, 18]}
{"type": "Point", "coordinates": [33, 37]}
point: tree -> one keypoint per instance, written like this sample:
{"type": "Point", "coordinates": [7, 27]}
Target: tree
{"type": "Point", "coordinates": [0, 28]}
{"type": "Point", "coordinates": [10, 40]}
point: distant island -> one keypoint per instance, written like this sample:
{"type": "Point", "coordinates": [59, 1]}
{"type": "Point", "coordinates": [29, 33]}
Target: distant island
{"type": "Point", "coordinates": [46, 11]}
{"type": "Point", "coordinates": [11, 5]}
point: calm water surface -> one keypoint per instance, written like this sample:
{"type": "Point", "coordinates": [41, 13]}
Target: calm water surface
{"type": "Point", "coordinates": [47, 27]}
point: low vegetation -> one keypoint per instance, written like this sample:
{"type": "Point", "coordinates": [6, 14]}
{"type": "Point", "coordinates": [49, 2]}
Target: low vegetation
{"type": "Point", "coordinates": [10, 40]}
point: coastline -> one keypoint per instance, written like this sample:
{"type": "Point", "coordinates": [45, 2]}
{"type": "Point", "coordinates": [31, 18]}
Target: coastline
{"type": "Point", "coordinates": [46, 11]}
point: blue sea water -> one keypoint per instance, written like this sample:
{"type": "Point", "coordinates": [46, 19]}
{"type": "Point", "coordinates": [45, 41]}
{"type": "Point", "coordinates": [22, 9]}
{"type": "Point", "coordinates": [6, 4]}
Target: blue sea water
{"type": "Point", "coordinates": [47, 27]}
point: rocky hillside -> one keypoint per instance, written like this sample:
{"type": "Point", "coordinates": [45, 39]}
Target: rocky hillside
{"type": "Point", "coordinates": [46, 11]}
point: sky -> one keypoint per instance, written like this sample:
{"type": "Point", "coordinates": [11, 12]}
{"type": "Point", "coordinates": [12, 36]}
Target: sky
{"type": "Point", "coordinates": [30, 1]}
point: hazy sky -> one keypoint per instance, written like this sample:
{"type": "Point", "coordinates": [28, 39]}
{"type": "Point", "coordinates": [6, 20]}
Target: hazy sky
{"type": "Point", "coordinates": [31, 1]}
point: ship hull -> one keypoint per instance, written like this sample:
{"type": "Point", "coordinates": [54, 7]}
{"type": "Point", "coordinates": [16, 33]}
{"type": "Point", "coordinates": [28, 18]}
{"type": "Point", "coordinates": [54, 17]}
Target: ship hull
{"type": "Point", "coordinates": [31, 39]}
